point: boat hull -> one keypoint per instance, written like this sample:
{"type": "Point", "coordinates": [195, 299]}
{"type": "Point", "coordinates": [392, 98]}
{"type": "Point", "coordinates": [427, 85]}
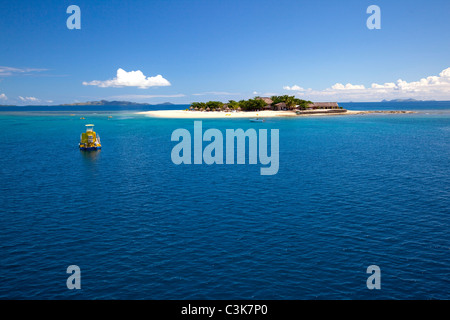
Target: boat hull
{"type": "Point", "coordinates": [90, 148]}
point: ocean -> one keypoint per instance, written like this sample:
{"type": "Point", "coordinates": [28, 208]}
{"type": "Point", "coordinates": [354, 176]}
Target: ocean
{"type": "Point", "coordinates": [351, 192]}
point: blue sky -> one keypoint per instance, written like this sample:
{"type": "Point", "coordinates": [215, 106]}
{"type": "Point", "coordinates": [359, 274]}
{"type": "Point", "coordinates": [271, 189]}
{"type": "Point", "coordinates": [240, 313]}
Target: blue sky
{"type": "Point", "coordinates": [221, 50]}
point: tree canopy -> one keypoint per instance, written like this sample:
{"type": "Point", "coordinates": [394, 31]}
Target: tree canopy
{"type": "Point", "coordinates": [252, 104]}
{"type": "Point", "coordinates": [290, 101]}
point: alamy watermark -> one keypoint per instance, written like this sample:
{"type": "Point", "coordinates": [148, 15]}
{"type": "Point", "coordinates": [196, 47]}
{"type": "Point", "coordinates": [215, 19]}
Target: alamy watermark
{"type": "Point", "coordinates": [74, 281]}
{"type": "Point", "coordinates": [74, 21]}
{"type": "Point", "coordinates": [213, 153]}
{"type": "Point", "coordinates": [374, 281]}
{"type": "Point", "coordinates": [374, 21]}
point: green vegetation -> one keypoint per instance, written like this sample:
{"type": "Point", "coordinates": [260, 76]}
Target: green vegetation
{"type": "Point", "coordinates": [234, 105]}
{"type": "Point", "coordinates": [250, 105]}
{"type": "Point", "coordinates": [291, 101]}
{"type": "Point", "coordinates": [209, 104]}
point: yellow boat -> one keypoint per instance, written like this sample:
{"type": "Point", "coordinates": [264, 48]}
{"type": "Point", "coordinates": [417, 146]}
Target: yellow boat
{"type": "Point", "coordinates": [90, 140]}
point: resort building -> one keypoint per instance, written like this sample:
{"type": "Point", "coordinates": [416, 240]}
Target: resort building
{"type": "Point", "coordinates": [280, 106]}
{"type": "Point", "coordinates": [266, 100]}
{"type": "Point", "coordinates": [324, 105]}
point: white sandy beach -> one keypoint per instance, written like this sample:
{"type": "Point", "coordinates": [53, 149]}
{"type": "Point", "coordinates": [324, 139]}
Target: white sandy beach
{"type": "Point", "coordinates": [183, 114]}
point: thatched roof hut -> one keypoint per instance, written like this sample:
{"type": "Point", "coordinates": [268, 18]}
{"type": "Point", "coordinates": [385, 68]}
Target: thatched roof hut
{"type": "Point", "coordinates": [266, 100]}
{"type": "Point", "coordinates": [208, 109]}
{"type": "Point", "coordinates": [280, 106]}
{"type": "Point", "coordinates": [324, 105]}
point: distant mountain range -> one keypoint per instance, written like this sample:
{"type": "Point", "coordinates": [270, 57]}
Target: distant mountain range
{"type": "Point", "coordinates": [406, 100]}
{"type": "Point", "coordinates": [114, 103]}
{"type": "Point", "coordinates": [100, 103]}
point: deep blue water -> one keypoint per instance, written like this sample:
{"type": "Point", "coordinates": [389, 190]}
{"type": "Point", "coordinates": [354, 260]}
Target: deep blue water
{"type": "Point", "coordinates": [352, 191]}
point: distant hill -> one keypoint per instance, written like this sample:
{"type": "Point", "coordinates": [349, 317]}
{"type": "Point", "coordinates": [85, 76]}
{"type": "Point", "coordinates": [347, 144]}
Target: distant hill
{"type": "Point", "coordinates": [107, 103]}
{"type": "Point", "coordinates": [406, 100]}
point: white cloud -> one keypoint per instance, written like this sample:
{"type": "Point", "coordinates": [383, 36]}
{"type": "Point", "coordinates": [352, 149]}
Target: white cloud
{"type": "Point", "coordinates": [3, 97]}
{"type": "Point", "coordinates": [10, 71]}
{"type": "Point", "coordinates": [429, 88]}
{"type": "Point", "coordinates": [441, 82]}
{"type": "Point", "coordinates": [28, 99]}
{"type": "Point", "coordinates": [388, 85]}
{"type": "Point", "coordinates": [130, 79]}
{"type": "Point", "coordinates": [293, 88]}
{"type": "Point", "coordinates": [348, 86]}
{"type": "Point", "coordinates": [265, 94]}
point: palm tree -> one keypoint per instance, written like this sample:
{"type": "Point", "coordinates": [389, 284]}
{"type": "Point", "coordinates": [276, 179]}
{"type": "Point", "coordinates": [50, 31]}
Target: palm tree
{"type": "Point", "coordinates": [290, 102]}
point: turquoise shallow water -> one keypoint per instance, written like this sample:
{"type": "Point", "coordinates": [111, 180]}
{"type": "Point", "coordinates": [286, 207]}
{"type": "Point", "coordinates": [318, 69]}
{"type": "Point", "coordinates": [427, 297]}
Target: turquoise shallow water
{"type": "Point", "coordinates": [352, 191]}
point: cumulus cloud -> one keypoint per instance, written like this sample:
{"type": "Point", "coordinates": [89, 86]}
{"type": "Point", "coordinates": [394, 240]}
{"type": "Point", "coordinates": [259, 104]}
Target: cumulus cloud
{"type": "Point", "coordinates": [388, 85]}
{"type": "Point", "coordinates": [293, 88]}
{"type": "Point", "coordinates": [432, 87]}
{"type": "Point", "coordinates": [130, 79]}
{"type": "Point", "coordinates": [3, 97]}
{"type": "Point", "coordinates": [348, 86]}
{"type": "Point", "coordinates": [441, 82]}
{"type": "Point", "coordinates": [29, 99]}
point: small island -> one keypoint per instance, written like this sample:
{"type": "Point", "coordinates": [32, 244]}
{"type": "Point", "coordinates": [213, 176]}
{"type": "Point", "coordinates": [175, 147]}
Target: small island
{"type": "Point", "coordinates": [260, 107]}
